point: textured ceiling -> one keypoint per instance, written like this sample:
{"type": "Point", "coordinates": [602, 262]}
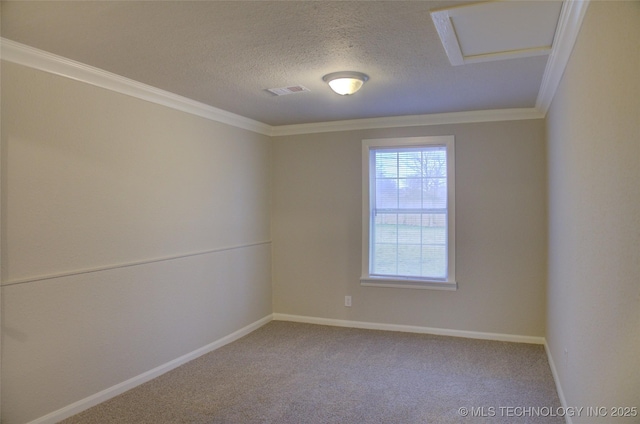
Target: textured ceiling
{"type": "Point", "coordinates": [226, 54]}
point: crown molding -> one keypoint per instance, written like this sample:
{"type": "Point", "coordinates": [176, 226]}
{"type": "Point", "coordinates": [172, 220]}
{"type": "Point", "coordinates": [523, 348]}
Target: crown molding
{"type": "Point", "coordinates": [568, 27]}
{"type": "Point", "coordinates": [410, 121]}
{"type": "Point", "coordinates": [569, 24]}
{"type": "Point", "coordinates": [48, 62]}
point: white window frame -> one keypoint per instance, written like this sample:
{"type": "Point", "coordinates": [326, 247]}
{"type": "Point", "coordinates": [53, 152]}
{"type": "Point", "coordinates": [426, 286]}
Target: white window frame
{"type": "Point", "coordinates": [368, 174]}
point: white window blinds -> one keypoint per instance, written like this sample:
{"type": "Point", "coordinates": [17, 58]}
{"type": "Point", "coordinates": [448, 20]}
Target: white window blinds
{"type": "Point", "coordinates": [409, 216]}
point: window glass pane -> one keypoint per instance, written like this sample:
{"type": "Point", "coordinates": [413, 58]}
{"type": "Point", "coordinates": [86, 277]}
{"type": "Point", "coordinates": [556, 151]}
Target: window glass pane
{"type": "Point", "coordinates": [386, 193]}
{"type": "Point", "coordinates": [386, 228]}
{"type": "Point", "coordinates": [409, 163]}
{"type": "Point", "coordinates": [385, 247]}
{"type": "Point", "coordinates": [434, 193]}
{"type": "Point", "coordinates": [434, 160]}
{"type": "Point", "coordinates": [409, 260]}
{"type": "Point", "coordinates": [410, 193]}
{"type": "Point", "coordinates": [386, 164]}
{"type": "Point", "coordinates": [385, 259]}
{"type": "Point", "coordinates": [434, 229]}
{"type": "Point", "coordinates": [409, 228]}
{"type": "Point", "coordinates": [434, 261]}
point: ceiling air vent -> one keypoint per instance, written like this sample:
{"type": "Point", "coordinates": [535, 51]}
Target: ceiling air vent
{"type": "Point", "coordinates": [283, 91]}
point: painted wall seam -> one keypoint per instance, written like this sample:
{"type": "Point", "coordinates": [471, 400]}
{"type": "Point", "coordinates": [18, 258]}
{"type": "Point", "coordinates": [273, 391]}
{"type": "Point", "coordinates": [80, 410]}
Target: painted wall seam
{"type": "Point", "coordinates": [128, 264]}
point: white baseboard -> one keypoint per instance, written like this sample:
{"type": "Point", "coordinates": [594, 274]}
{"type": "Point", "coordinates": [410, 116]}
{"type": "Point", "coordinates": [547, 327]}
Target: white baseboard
{"type": "Point", "coordinates": [437, 331]}
{"type": "Point", "coordinates": [113, 391]}
{"type": "Point", "coordinates": [410, 329]}
{"type": "Point", "coordinates": [556, 379]}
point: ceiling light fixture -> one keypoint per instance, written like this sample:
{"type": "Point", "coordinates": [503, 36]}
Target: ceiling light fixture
{"type": "Point", "coordinates": [345, 83]}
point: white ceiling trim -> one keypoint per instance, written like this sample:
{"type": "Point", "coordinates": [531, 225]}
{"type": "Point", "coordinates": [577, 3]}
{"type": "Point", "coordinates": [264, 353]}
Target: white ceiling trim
{"type": "Point", "coordinates": [410, 121]}
{"type": "Point", "coordinates": [48, 62]}
{"type": "Point", "coordinates": [571, 18]}
{"type": "Point", "coordinates": [515, 54]}
{"type": "Point", "coordinates": [44, 61]}
{"type": "Point", "coordinates": [452, 36]}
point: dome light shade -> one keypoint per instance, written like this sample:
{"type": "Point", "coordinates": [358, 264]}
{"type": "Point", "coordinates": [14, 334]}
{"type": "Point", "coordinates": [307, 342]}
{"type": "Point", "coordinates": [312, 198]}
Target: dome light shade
{"type": "Point", "coordinates": [345, 83]}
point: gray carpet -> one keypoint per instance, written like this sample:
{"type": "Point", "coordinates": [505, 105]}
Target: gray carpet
{"type": "Point", "coordinates": [300, 373]}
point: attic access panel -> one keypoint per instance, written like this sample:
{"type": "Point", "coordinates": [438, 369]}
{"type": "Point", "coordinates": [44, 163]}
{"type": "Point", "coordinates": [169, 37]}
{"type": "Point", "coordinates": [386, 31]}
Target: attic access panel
{"type": "Point", "coordinates": [497, 30]}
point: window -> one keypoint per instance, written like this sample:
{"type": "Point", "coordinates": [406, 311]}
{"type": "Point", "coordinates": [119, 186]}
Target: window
{"type": "Point", "coordinates": [408, 212]}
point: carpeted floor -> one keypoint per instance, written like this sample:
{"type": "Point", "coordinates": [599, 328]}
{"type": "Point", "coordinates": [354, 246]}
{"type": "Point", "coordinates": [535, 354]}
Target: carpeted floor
{"type": "Point", "coordinates": [301, 373]}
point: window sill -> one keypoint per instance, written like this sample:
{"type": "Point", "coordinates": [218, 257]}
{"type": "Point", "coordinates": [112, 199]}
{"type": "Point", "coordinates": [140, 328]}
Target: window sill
{"type": "Point", "coordinates": [407, 283]}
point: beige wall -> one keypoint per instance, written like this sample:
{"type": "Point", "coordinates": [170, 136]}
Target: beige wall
{"type": "Point", "coordinates": [93, 179]}
{"type": "Point", "coordinates": [500, 228]}
{"type": "Point", "coordinates": [593, 131]}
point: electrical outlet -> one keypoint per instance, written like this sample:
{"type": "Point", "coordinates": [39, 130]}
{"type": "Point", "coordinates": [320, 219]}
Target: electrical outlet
{"type": "Point", "coordinates": [347, 301]}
